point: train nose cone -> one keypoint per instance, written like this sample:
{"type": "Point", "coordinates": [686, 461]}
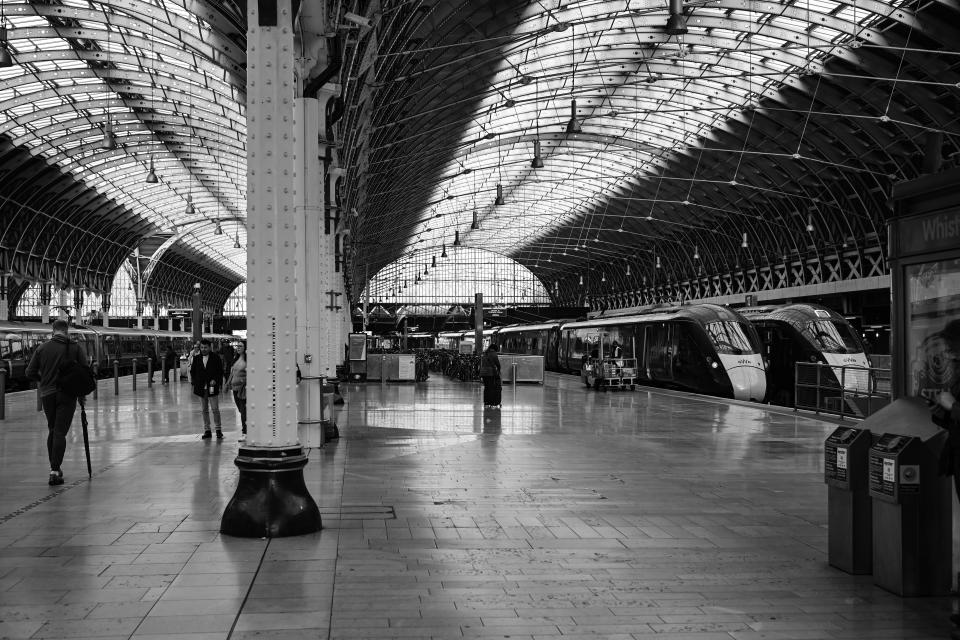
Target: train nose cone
{"type": "Point", "coordinates": [749, 383]}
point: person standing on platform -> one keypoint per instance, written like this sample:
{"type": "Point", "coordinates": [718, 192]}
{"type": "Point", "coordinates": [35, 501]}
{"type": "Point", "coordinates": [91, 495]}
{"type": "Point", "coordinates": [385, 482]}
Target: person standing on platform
{"type": "Point", "coordinates": [58, 406]}
{"type": "Point", "coordinates": [490, 375]}
{"type": "Point", "coordinates": [946, 414]}
{"type": "Point", "coordinates": [153, 363]}
{"type": "Point", "coordinates": [206, 374]}
{"type": "Point", "coordinates": [227, 354]}
{"type": "Point", "coordinates": [169, 362]}
{"type": "Point", "coordinates": [237, 383]}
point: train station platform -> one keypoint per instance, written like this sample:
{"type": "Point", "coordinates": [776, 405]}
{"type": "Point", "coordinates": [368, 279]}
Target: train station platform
{"type": "Point", "coordinates": [567, 513]}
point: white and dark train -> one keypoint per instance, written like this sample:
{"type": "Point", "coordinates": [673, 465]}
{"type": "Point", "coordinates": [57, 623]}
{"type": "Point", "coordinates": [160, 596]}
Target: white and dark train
{"type": "Point", "coordinates": [103, 346]}
{"type": "Point", "coordinates": [811, 333]}
{"type": "Point", "coordinates": [703, 348]}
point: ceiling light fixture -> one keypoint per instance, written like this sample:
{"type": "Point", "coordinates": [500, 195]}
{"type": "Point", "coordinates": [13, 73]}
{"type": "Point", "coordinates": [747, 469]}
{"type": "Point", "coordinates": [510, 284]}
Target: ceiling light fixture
{"type": "Point", "coordinates": [676, 23]}
{"type": "Point", "coordinates": [443, 254]}
{"type": "Point", "coordinates": [696, 252]}
{"type": "Point", "coordinates": [433, 262]}
{"type": "Point", "coordinates": [109, 141]}
{"type": "Point", "coordinates": [744, 242]}
{"type": "Point", "coordinates": [6, 60]}
{"type": "Point", "coordinates": [151, 174]}
{"type": "Point", "coordinates": [581, 280]}
{"type": "Point", "coordinates": [236, 239]}
{"type": "Point", "coordinates": [810, 224]}
{"type": "Point", "coordinates": [498, 202]}
{"type": "Point", "coordinates": [190, 209]}
{"type": "Point", "coordinates": [537, 162]}
{"type": "Point", "coordinates": [217, 229]}
{"type": "Point", "coordinates": [456, 237]}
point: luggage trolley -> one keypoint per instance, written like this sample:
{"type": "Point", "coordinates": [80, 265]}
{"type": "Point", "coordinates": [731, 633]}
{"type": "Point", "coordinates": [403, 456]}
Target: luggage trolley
{"type": "Point", "coordinates": [608, 371]}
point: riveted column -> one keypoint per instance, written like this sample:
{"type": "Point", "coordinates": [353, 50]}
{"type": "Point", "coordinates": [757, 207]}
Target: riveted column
{"type": "Point", "coordinates": [4, 296]}
{"type": "Point", "coordinates": [271, 499]}
{"type": "Point", "coordinates": [44, 290]}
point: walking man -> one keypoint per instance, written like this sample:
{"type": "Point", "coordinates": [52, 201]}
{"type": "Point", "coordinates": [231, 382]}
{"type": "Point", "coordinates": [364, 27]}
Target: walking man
{"type": "Point", "coordinates": [58, 406]}
{"type": "Point", "coordinates": [206, 372]}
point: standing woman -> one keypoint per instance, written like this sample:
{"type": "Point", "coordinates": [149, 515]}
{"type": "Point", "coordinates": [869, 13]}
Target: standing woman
{"type": "Point", "coordinates": [237, 382]}
{"type": "Point", "coordinates": [490, 374]}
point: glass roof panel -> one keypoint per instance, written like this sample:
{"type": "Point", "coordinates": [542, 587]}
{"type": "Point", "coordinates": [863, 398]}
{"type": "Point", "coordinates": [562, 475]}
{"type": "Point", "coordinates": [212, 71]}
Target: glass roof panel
{"type": "Point", "coordinates": [154, 48]}
{"type": "Point", "coordinates": [664, 95]}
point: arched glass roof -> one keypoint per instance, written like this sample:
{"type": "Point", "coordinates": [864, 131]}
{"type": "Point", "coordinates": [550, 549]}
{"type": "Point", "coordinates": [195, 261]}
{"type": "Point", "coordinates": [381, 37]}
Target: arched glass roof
{"type": "Point", "coordinates": [750, 121]}
{"type": "Point", "coordinates": [166, 78]}
{"type": "Point", "coordinates": [641, 99]}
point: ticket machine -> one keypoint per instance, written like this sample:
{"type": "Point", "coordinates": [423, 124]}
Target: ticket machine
{"type": "Point", "coordinates": [912, 522]}
{"type": "Point", "coordinates": [849, 507]}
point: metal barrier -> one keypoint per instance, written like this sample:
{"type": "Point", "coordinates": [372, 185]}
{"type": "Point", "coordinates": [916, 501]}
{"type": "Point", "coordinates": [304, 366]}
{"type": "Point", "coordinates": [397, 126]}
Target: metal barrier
{"type": "Point", "coordinates": [847, 391]}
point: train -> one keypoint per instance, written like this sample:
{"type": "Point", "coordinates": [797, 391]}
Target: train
{"type": "Point", "coordinates": [103, 346]}
{"type": "Point", "coordinates": [702, 348]}
{"type": "Point", "coordinates": [746, 353]}
{"type": "Point", "coordinates": [806, 332]}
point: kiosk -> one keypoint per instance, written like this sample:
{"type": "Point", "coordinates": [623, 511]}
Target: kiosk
{"type": "Point", "coordinates": [849, 509]}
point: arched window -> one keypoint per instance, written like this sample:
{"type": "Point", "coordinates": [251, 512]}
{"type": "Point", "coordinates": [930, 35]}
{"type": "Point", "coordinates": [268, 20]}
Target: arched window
{"type": "Point", "coordinates": [236, 304]}
{"type": "Point", "coordinates": [29, 307]}
{"type": "Point", "coordinates": [456, 278]}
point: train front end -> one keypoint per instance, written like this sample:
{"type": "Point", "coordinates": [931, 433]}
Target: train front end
{"type": "Point", "coordinates": [747, 375]}
{"type": "Point", "coordinates": [737, 348]}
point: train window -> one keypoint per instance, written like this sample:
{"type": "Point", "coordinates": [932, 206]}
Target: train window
{"type": "Point", "coordinates": [832, 337]}
{"type": "Point", "coordinates": [729, 337]}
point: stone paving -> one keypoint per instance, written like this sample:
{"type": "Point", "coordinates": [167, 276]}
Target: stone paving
{"type": "Point", "coordinates": [566, 514]}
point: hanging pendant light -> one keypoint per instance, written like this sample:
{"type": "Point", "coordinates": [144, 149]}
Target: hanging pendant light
{"type": "Point", "coordinates": [603, 277]}
{"type": "Point", "coordinates": [537, 162]}
{"type": "Point", "coordinates": [573, 125]}
{"type": "Point", "coordinates": [6, 60]}
{"type": "Point", "coordinates": [628, 269]}
{"type": "Point", "coordinates": [696, 252]}
{"type": "Point", "coordinates": [151, 174]}
{"type": "Point", "coordinates": [658, 262]}
{"type": "Point", "coordinates": [443, 254]}
{"type": "Point", "coordinates": [676, 23]}
{"type": "Point", "coordinates": [474, 225]}
{"type": "Point", "coordinates": [810, 224]}
{"type": "Point", "coordinates": [581, 279]}
{"type": "Point", "coordinates": [456, 237]}
{"type": "Point", "coordinates": [744, 242]}
{"type": "Point", "coordinates": [433, 262]}
{"type": "Point", "coordinates": [236, 240]}
{"type": "Point", "coordinates": [109, 139]}
{"type": "Point", "coordinates": [499, 201]}
{"type": "Point", "coordinates": [190, 209]}
{"type": "Point", "coordinates": [217, 229]}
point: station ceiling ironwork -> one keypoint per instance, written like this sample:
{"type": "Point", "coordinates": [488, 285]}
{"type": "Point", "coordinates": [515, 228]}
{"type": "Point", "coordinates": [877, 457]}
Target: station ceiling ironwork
{"type": "Point", "coordinates": [636, 140]}
{"type": "Point", "coordinates": [107, 93]}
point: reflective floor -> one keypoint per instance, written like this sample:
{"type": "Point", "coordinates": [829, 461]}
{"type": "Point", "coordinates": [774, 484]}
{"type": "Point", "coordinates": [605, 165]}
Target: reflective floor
{"type": "Point", "coordinates": [566, 513]}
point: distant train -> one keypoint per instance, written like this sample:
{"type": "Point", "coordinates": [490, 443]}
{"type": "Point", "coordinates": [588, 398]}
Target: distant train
{"type": "Point", "coordinates": [809, 333]}
{"type": "Point", "coordinates": [704, 348]}
{"type": "Point", "coordinates": [19, 340]}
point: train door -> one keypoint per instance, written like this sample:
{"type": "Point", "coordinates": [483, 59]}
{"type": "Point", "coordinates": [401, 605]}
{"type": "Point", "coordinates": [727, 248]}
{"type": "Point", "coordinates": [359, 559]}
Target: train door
{"type": "Point", "coordinates": [659, 349]}
{"type": "Point", "coordinates": [779, 351]}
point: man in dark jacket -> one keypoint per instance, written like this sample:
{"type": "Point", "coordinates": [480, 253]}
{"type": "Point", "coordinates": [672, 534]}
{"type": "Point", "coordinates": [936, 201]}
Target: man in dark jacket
{"type": "Point", "coordinates": [58, 406]}
{"type": "Point", "coordinates": [206, 372]}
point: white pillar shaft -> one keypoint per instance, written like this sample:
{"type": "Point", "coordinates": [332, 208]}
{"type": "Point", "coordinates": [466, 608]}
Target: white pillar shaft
{"type": "Point", "coordinates": [311, 282]}
{"type": "Point", "coordinates": [272, 237]}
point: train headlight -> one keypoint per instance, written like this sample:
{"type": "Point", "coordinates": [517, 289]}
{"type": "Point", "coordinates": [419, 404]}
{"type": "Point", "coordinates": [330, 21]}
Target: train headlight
{"type": "Point", "coordinates": [714, 365]}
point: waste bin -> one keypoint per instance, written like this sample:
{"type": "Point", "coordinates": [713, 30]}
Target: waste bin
{"type": "Point", "coordinates": [912, 520]}
{"type": "Point", "coordinates": [849, 507]}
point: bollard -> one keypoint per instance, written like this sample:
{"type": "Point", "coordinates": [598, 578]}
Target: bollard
{"type": "Point", "coordinates": [149, 372]}
{"type": "Point", "coordinates": [116, 377]}
{"type": "Point", "coordinates": [133, 363]}
{"type": "Point", "coordinates": [3, 391]}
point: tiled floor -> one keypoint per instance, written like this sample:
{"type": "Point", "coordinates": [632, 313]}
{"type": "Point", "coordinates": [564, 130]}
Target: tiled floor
{"type": "Point", "coordinates": [567, 513]}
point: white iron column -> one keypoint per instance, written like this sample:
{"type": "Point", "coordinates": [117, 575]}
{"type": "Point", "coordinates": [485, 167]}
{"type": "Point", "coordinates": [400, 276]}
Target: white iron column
{"type": "Point", "coordinates": [45, 302]}
{"type": "Point", "coordinates": [271, 499]}
{"type": "Point", "coordinates": [312, 265]}
{"type": "Point", "coordinates": [333, 300]}
{"type": "Point", "coordinates": [4, 299]}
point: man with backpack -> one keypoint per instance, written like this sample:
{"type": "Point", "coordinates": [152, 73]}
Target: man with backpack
{"type": "Point", "coordinates": [53, 360]}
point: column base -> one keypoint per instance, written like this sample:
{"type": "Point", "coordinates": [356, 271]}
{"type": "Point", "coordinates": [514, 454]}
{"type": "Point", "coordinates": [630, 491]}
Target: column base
{"type": "Point", "coordinates": [271, 500]}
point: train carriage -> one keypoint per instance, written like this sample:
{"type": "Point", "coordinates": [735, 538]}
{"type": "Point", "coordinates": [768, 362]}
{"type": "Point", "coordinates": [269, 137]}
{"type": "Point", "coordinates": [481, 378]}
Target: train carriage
{"type": "Point", "coordinates": [806, 332]}
{"type": "Point", "coordinates": [703, 348]}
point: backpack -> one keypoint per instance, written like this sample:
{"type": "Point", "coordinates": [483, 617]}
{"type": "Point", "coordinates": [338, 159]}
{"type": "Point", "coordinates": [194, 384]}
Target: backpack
{"type": "Point", "coordinates": [75, 379]}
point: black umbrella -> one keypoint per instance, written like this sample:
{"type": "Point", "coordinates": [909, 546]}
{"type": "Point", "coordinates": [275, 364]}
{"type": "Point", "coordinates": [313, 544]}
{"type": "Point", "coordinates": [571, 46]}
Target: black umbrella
{"type": "Point", "coordinates": [86, 437]}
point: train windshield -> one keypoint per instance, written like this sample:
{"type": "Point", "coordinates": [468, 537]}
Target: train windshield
{"type": "Point", "coordinates": [729, 337]}
{"type": "Point", "coordinates": [832, 337]}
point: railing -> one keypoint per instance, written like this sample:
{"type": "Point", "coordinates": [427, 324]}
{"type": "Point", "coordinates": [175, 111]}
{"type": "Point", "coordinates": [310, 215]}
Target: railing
{"type": "Point", "coordinates": [850, 392]}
